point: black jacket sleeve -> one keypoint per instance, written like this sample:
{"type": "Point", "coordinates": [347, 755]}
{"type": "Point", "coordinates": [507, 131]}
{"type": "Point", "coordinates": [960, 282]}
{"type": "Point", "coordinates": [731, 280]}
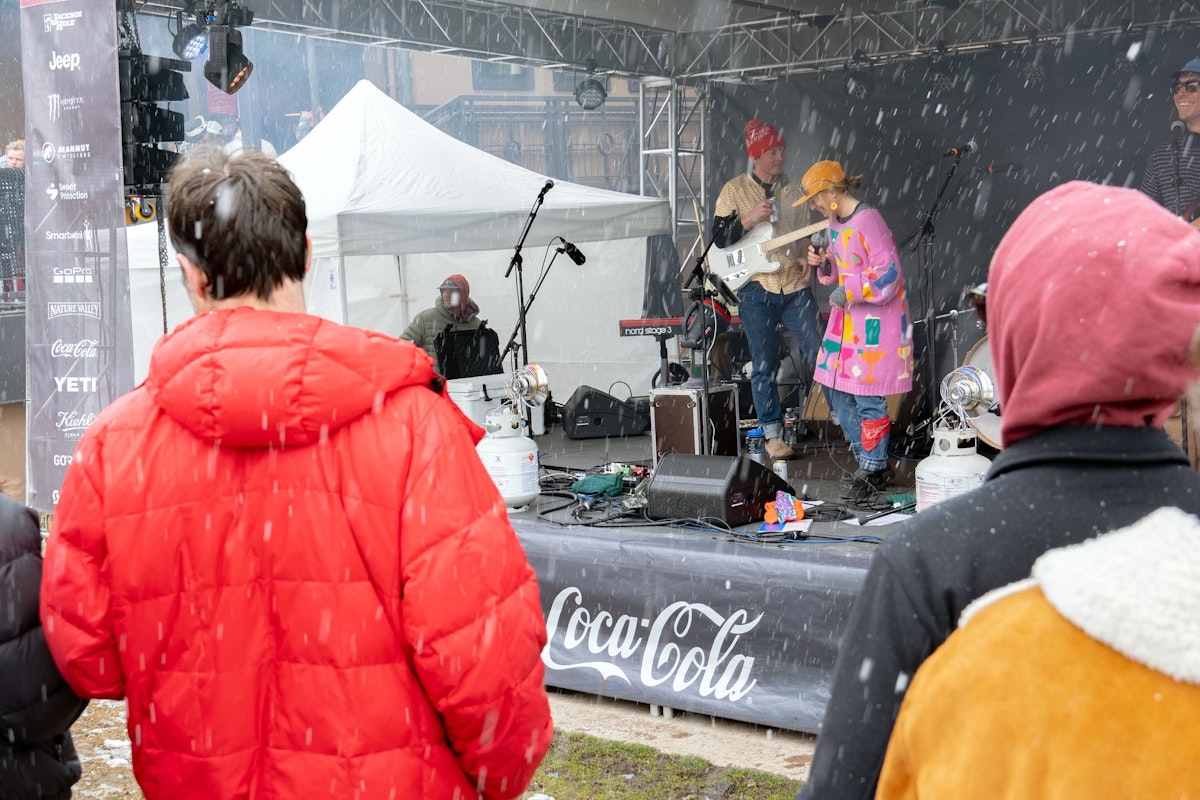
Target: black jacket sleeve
{"type": "Point", "coordinates": [886, 639]}
{"type": "Point", "coordinates": [36, 706]}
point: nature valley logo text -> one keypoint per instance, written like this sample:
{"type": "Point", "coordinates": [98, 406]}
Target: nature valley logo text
{"type": "Point", "coordinates": [716, 670]}
{"type": "Point", "coordinates": [54, 310]}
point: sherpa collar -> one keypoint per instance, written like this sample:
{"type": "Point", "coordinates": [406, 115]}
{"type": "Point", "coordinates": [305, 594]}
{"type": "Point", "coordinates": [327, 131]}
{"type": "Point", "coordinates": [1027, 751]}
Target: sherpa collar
{"type": "Point", "coordinates": [1136, 590]}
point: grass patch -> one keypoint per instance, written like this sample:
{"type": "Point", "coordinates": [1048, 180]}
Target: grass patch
{"type": "Point", "coordinates": [581, 767]}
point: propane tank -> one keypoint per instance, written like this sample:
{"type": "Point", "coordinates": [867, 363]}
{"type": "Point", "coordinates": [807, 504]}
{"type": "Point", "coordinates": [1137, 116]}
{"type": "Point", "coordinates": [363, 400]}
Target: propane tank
{"type": "Point", "coordinates": [510, 457]}
{"type": "Point", "coordinates": [953, 467]}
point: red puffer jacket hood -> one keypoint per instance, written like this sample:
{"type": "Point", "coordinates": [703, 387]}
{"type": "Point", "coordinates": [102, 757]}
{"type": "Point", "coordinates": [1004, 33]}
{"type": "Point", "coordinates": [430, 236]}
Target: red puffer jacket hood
{"type": "Point", "coordinates": [324, 376]}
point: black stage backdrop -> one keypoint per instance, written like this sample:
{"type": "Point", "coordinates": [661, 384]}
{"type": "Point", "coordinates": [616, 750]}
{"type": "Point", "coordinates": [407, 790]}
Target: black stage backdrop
{"type": "Point", "coordinates": [1092, 115]}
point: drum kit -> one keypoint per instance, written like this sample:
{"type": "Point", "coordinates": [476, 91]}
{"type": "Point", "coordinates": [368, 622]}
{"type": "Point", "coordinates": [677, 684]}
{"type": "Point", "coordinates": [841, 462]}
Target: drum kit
{"type": "Point", "coordinates": [970, 390]}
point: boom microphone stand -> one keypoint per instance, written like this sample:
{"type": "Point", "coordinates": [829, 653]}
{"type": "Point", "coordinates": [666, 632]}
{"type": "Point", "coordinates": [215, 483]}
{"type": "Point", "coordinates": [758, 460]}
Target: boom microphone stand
{"type": "Point", "coordinates": [924, 235]}
{"type": "Point", "coordinates": [525, 306]}
{"type": "Point", "coordinates": [517, 261]}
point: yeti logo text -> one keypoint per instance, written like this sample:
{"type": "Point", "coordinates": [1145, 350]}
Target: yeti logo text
{"type": "Point", "coordinates": [720, 672]}
{"type": "Point", "coordinates": [67, 61]}
{"type": "Point", "coordinates": [76, 385]}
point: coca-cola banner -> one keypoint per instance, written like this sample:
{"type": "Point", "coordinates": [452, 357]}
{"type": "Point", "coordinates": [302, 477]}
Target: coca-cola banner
{"type": "Point", "coordinates": [78, 330]}
{"type": "Point", "coordinates": [693, 622]}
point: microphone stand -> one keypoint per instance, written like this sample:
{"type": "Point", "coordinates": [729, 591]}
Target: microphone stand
{"type": "Point", "coordinates": [528, 304]}
{"type": "Point", "coordinates": [700, 273]}
{"type": "Point", "coordinates": [924, 234]}
{"type": "Point", "coordinates": [1176, 152]}
{"type": "Point", "coordinates": [517, 261]}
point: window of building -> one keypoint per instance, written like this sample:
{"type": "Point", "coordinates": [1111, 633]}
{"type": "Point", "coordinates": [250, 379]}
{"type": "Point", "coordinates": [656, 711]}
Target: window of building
{"type": "Point", "coordinates": [488, 76]}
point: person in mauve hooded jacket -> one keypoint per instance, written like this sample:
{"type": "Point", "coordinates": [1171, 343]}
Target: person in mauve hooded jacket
{"type": "Point", "coordinates": [37, 757]}
{"type": "Point", "coordinates": [1093, 297]}
{"type": "Point", "coordinates": [282, 548]}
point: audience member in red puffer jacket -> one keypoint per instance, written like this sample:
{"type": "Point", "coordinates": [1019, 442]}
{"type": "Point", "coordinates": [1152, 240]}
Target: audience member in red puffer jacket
{"type": "Point", "coordinates": [282, 548]}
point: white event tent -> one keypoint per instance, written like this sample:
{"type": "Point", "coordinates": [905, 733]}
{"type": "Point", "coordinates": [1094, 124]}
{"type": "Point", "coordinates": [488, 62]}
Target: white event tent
{"type": "Point", "coordinates": [395, 205]}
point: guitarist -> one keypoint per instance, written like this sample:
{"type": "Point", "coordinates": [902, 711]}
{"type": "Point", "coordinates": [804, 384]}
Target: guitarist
{"type": "Point", "coordinates": [785, 296]}
{"type": "Point", "coordinates": [1172, 176]}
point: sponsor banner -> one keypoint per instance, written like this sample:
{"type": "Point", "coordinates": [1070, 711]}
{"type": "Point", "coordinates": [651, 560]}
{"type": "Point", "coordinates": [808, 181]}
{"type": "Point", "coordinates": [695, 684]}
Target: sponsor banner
{"type": "Point", "coordinates": [78, 327]}
{"type": "Point", "coordinates": [693, 622]}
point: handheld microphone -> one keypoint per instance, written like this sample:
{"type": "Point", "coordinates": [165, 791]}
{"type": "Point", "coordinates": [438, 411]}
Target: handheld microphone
{"type": "Point", "coordinates": [549, 185]}
{"type": "Point", "coordinates": [572, 251]}
{"type": "Point", "coordinates": [961, 150]}
{"type": "Point", "coordinates": [1177, 128]}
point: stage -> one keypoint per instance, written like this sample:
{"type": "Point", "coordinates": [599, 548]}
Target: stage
{"type": "Point", "coordinates": [691, 619]}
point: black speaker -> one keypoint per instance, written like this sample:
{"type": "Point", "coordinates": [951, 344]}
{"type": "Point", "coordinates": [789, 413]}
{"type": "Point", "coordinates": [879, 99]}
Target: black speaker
{"type": "Point", "coordinates": [732, 489]}
{"type": "Point", "coordinates": [592, 414]}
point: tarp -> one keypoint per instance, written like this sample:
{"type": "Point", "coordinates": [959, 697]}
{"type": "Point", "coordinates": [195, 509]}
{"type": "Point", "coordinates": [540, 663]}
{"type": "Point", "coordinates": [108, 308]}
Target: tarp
{"type": "Point", "coordinates": [395, 205]}
{"type": "Point", "coordinates": [379, 179]}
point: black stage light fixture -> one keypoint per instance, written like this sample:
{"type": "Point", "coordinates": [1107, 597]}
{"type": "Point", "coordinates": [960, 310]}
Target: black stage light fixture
{"type": "Point", "coordinates": [858, 82]}
{"type": "Point", "coordinates": [227, 67]}
{"type": "Point", "coordinates": [145, 81]}
{"type": "Point", "coordinates": [191, 42]}
{"type": "Point", "coordinates": [590, 94]}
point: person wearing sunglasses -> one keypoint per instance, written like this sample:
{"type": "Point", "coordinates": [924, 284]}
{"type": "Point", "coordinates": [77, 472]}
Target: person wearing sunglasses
{"type": "Point", "coordinates": [1172, 175]}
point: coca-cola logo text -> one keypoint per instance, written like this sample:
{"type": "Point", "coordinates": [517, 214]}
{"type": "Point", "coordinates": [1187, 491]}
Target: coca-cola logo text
{"type": "Point", "coordinates": [715, 669]}
{"type": "Point", "coordinates": [84, 348]}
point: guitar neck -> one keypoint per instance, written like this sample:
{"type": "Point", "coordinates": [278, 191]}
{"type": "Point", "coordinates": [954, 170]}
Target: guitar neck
{"type": "Point", "coordinates": [788, 238]}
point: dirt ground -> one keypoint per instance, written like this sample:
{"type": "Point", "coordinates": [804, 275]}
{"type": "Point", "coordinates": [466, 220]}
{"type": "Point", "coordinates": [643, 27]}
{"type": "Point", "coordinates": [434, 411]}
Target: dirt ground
{"type": "Point", "coordinates": [104, 748]}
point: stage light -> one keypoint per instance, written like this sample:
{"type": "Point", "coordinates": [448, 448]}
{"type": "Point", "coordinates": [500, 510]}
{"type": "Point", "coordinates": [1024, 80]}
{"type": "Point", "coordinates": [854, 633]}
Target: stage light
{"type": "Point", "coordinates": [191, 43]}
{"type": "Point", "coordinates": [940, 78]}
{"type": "Point", "coordinates": [227, 67]}
{"type": "Point", "coordinates": [590, 94]}
{"type": "Point", "coordinates": [859, 84]}
{"type": "Point", "coordinates": [1031, 74]}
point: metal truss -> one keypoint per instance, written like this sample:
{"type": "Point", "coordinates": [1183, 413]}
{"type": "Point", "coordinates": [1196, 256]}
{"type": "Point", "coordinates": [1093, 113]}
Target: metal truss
{"type": "Point", "coordinates": [759, 50]}
{"type": "Point", "coordinates": [469, 28]}
{"type": "Point", "coordinates": [794, 44]}
{"type": "Point", "coordinates": [673, 120]}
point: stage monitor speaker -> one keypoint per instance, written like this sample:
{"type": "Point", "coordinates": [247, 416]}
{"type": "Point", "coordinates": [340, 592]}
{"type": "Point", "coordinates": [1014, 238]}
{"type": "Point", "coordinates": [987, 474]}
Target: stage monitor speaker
{"type": "Point", "coordinates": [592, 414]}
{"type": "Point", "coordinates": [731, 489]}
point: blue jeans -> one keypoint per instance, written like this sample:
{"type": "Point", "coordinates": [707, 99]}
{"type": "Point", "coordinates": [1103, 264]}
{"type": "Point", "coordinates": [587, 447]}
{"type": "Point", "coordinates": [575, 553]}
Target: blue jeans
{"type": "Point", "coordinates": [762, 312]}
{"type": "Point", "coordinates": [851, 410]}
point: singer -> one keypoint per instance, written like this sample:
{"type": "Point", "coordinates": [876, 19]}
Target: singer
{"type": "Point", "coordinates": [765, 197]}
{"type": "Point", "coordinates": [868, 343]}
{"type": "Point", "coordinates": [1172, 176]}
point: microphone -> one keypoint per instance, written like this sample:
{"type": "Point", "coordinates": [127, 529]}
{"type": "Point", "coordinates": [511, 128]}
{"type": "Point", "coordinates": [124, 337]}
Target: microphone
{"type": "Point", "coordinates": [961, 150]}
{"type": "Point", "coordinates": [1177, 128]}
{"type": "Point", "coordinates": [549, 185]}
{"type": "Point", "coordinates": [572, 251]}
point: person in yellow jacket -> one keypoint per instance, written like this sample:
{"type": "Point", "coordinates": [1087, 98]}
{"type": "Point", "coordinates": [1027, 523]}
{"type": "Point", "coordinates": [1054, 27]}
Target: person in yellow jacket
{"type": "Point", "coordinates": [1081, 682]}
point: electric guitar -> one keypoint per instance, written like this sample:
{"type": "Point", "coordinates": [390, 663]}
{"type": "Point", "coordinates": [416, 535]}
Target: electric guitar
{"type": "Point", "coordinates": [737, 264]}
